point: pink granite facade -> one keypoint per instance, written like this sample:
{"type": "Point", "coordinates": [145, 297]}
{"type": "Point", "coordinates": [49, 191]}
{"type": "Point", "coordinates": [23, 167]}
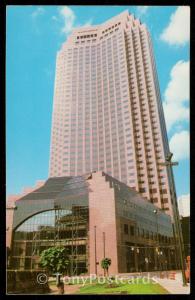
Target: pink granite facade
{"type": "Point", "coordinates": [9, 223]}
{"type": "Point", "coordinates": [102, 214]}
{"type": "Point", "coordinates": [107, 111]}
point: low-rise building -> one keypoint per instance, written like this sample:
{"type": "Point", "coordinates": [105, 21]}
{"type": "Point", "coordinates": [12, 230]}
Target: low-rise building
{"type": "Point", "coordinates": [93, 216]}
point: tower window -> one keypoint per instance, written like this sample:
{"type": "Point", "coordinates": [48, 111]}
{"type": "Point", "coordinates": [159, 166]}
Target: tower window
{"type": "Point", "coordinates": [164, 191]}
{"type": "Point", "coordinates": [165, 200]}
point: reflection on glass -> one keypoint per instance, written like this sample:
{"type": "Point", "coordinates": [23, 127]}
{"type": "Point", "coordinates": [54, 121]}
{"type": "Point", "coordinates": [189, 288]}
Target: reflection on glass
{"type": "Point", "coordinates": [58, 227]}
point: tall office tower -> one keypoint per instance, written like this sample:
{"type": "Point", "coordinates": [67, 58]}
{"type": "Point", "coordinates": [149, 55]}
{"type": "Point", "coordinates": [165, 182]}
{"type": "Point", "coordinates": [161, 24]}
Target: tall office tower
{"type": "Point", "coordinates": [107, 112]}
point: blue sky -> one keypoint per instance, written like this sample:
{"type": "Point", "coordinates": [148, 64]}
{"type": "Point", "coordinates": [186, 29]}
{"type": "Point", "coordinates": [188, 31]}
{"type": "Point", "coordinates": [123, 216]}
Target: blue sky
{"type": "Point", "coordinates": [35, 34]}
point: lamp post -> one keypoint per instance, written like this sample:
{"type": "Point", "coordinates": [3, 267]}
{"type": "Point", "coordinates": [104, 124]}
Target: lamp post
{"type": "Point", "coordinates": [155, 211]}
{"type": "Point", "coordinates": [136, 236]}
{"type": "Point", "coordinates": [135, 252]}
{"type": "Point", "coordinates": [168, 163]}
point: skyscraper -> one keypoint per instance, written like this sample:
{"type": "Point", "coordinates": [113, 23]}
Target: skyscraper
{"type": "Point", "coordinates": [107, 112]}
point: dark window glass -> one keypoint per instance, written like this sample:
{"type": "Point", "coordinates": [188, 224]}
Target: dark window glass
{"type": "Point", "coordinates": [126, 229]}
{"type": "Point", "coordinates": [132, 230]}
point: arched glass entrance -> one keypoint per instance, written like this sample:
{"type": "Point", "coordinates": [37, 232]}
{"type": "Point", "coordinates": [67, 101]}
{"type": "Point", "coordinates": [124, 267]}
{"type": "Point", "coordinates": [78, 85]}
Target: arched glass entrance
{"type": "Point", "coordinates": [57, 227]}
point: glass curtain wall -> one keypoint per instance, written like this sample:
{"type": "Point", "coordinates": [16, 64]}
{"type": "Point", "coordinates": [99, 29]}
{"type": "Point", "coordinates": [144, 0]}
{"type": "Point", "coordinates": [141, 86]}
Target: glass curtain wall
{"type": "Point", "coordinates": [57, 227]}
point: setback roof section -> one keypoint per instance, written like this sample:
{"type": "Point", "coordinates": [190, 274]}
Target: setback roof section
{"type": "Point", "coordinates": [129, 193]}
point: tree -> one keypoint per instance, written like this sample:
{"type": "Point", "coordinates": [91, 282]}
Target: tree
{"type": "Point", "coordinates": [105, 263]}
{"type": "Point", "coordinates": [55, 260]}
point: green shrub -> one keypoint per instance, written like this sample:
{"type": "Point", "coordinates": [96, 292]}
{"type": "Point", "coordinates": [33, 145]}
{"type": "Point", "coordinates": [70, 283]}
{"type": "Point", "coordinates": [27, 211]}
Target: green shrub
{"type": "Point", "coordinates": [112, 285]}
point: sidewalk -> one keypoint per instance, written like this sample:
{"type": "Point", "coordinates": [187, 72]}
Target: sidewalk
{"type": "Point", "coordinates": [171, 285]}
{"type": "Point", "coordinates": [68, 289]}
{"type": "Point", "coordinates": [174, 286]}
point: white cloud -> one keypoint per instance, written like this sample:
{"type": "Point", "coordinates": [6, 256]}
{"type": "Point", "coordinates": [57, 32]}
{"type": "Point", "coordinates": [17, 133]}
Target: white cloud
{"type": "Point", "coordinates": [178, 30]}
{"type": "Point", "coordinates": [178, 87]}
{"type": "Point", "coordinates": [69, 18]}
{"type": "Point", "coordinates": [54, 18]}
{"type": "Point", "coordinates": [88, 23]}
{"type": "Point", "coordinates": [141, 10]}
{"type": "Point", "coordinates": [177, 95]}
{"type": "Point", "coordinates": [174, 114]}
{"type": "Point", "coordinates": [184, 205]}
{"type": "Point", "coordinates": [179, 145]}
{"type": "Point", "coordinates": [37, 12]}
